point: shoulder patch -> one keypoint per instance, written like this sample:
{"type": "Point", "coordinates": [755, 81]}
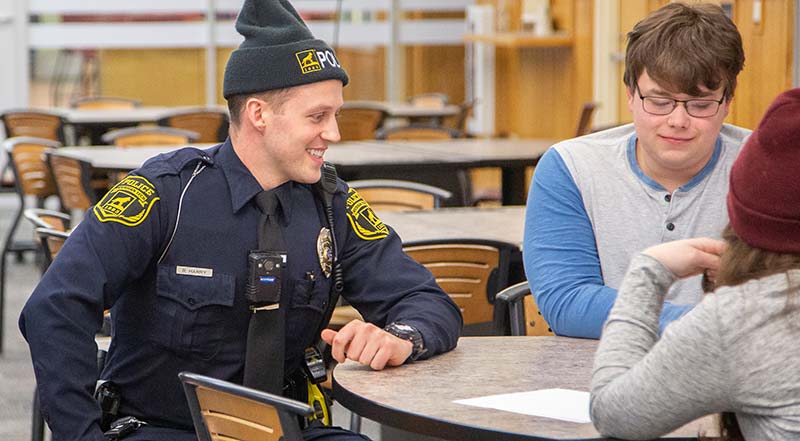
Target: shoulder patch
{"type": "Point", "coordinates": [363, 220]}
{"type": "Point", "coordinates": [128, 203]}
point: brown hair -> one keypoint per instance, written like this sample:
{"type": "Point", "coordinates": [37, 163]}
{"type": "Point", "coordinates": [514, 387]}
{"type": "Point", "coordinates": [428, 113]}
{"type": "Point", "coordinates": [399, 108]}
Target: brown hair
{"type": "Point", "coordinates": [740, 263]}
{"type": "Point", "coordinates": [682, 46]}
{"type": "Point", "coordinates": [276, 98]}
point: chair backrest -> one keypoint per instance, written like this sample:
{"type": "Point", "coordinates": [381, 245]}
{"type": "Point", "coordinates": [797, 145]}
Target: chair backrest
{"type": "Point", "coordinates": [212, 125]}
{"type": "Point", "coordinates": [34, 123]}
{"type": "Point", "coordinates": [104, 102]}
{"type": "Point", "coordinates": [223, 411]}
{"type": "Point", "coordinates": [522, 316]}
{"type": "Point", "coordinates": [73, 182]}
{"type": "Point", "coordinates": [459, 120]}
{"type": "Point", "coordinates": [429, 100]}
{"type": "Point", "coordinates": [585, 120]}
{"type": "Point", "coordinates": [149, 136]}
{"type": "Point", "coordinates": [418, 132]}
{"type": "Point", "coordinates": [471, 271]}
{"type": "Point", "coordinates": [51, 242]}
{"type": "Point", "coordinates": [27, 159]}
{"type": "Point", "coordinates": [397, 195]}
{"type": "Point", "coordinates": [358, 123]}
{"type": "Point", "coordinates": [49, 219]}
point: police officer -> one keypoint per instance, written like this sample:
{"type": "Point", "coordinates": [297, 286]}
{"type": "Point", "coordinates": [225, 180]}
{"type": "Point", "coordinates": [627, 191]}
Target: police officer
{"type": "Point", "coordinates": [170, 251]}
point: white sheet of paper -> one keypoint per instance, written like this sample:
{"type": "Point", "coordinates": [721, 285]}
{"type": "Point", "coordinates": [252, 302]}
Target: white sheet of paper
{"type": "Point", "coordinates": [560, 404]}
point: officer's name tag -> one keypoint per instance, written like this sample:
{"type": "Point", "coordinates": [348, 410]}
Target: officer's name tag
{"type": "Point", "coordinates": [192, 271]}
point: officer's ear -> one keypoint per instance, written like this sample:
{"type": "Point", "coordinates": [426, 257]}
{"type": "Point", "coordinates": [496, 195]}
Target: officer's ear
{"type": "Point", "coordinates": [255, 112]}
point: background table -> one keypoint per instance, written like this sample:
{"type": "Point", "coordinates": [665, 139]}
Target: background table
{"type": "Point", "coordinates": [419, 396]}
{"type": "Point", "coordinates": [410, 160]}
{"type": "Point", "coordinates": [505, 224]}
{"type": "Point", "coordinates": [95, 122]}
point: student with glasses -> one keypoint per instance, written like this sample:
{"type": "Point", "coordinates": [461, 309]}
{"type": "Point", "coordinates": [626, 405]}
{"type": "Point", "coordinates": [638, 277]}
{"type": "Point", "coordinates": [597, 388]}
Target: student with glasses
{"type": "Point", "coordinates": [735, 352]}
{"type": "Point", "coordinates": [597, 200]}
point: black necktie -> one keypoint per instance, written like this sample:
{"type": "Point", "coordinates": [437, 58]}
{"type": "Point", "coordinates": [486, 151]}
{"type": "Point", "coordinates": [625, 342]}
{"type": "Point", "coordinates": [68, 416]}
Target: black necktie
{"type": "Point", "coordinates": [263, 367]}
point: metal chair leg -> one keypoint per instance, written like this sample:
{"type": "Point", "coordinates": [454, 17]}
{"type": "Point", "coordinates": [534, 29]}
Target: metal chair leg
{"type": "Point", "coordinates": [37, 424]}
{"type": "Point", "coordinates": [355, 422]}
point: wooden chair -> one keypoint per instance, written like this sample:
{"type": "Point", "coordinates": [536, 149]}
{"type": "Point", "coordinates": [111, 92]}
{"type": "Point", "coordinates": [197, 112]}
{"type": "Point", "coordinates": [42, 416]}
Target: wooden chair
{"type": "Point", "coordinates": [471, 271]}
{"type": "Point", "coordinates": [34, 123]}
{"type": "Point", "coordinates": [32, 180]}
{"type": "Point", "coordinates": [223, 411]}
{"type": "Point", "coordinates": [50, 219]}
{"type": "Point", "coordinates": [459, 120]}
{"type": "Point", "coordinates": [457, 183]}
{"type": "Point", "coordinates": [358, 123]}
{"type": "Point", "coordinates": [212, 125]}
{"type": "Point", "coordinates": [397, 195]}
{"type": "Point", "coordinates": [585, 120]}
{"type": "Point", "coordinates": [149, 136]}
{"type": "Point", "coordinates": [418, 132]}
{"type": "Point", "coordinates": [73, 182]}
{"type": "Point", "coordinates": [104, 102]}
{"type": "Point", "coordinates": [429, 100]}
{"type": "Point", "coordinates": [51, 240]}
{"type": "Point", "coordinates": [522, 316]}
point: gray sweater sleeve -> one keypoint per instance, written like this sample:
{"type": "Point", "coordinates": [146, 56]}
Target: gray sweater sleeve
{"type": "Point", "coordinates": [643, 387]}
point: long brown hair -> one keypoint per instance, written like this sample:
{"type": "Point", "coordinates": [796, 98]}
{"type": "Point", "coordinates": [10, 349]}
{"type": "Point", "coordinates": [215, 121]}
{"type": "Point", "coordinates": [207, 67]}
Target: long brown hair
{"type": "Point", "coordinates": [740, 263]}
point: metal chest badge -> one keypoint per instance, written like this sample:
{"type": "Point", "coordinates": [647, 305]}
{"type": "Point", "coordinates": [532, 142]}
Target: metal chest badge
{"type": "Point", "coordinates": [325, 251]}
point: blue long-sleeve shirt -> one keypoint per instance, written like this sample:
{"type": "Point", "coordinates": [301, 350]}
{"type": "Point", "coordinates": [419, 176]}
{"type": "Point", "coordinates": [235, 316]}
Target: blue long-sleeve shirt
{"type": "Point", "coordinates": [591, 208]}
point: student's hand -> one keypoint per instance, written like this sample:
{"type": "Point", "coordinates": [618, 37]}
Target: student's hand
{"type": "Point", "coordinates": [368, 345]}
{"type": "Point", "coordinates": [689, 257]}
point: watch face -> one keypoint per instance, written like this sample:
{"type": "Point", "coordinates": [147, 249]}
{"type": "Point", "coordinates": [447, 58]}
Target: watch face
{"type": "Point", "coordinates": [404, 328]}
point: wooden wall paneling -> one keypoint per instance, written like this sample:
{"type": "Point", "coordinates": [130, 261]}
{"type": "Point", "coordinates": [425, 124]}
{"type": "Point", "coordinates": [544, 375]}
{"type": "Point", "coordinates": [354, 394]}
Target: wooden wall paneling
{"type": "Point", "coordinates": [436, 69]}
{"type": "Point", "coordinates": [223, 53]}
{"type": "Point", "coordinates": [583, 59]}
{"type": "Point", "coordinates": [157, 77]}
{"type": "Point", "coordinates": [541, 88]}
{"type": "Point", "coordinates": [366, 67]}
{"type": "Point", "coordinates": [768, 48]}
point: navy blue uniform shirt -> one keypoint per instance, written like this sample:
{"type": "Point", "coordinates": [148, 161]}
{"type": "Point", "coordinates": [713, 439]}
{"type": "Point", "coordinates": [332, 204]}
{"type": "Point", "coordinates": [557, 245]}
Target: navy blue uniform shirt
{"type": "Point", "coordinates": [178, 302]}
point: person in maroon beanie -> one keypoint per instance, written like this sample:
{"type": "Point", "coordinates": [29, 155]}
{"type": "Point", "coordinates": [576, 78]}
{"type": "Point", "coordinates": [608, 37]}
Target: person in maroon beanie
{"type": "Point", "coordinates": [736, 352]}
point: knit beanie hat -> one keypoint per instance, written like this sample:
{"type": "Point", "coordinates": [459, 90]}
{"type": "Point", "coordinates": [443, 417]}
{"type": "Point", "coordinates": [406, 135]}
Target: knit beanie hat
{"type": "Point", "coordinates": [278, 51]}
{"type": "Point", "coordinates": [764, 194]}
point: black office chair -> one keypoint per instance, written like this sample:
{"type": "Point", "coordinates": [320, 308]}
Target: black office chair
{"type": "Point", "coordinates": [522, 316]}
{"type": "Point", "coordinates": [223, 411]}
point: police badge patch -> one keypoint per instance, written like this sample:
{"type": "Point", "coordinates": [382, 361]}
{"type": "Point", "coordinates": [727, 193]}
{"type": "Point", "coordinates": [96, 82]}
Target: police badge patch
{"type": "Point", "coordinates": [365, 223]}
{"type": "Point", "coordinates": [128, 203]}
{"type": "Point", "coordinates": [325, 251]}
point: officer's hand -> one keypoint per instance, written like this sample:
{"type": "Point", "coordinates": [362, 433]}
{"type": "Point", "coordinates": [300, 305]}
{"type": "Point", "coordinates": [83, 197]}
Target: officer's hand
{"type": "Point", "coordinates": [368, 345]}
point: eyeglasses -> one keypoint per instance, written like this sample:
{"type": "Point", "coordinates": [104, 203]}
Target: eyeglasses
{"type": "Point", "coordinates": [659, 105]}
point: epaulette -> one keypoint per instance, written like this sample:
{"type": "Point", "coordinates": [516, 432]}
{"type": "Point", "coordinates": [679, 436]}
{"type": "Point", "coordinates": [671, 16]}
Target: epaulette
{"type": "Point", "coordinates": [172, 163]}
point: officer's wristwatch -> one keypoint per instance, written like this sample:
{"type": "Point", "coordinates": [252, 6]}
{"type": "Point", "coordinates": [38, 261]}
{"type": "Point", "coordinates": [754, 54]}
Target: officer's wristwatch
{"type": "Point", "coordinates": [410, 333]}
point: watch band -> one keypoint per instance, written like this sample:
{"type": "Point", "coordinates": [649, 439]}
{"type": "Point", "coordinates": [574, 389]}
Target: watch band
{"type": "Point", "coordinates": [410, 333]}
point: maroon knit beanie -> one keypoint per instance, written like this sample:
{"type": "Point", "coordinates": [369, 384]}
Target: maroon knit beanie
{"type": "Point", "coordinates": [764, 194]}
